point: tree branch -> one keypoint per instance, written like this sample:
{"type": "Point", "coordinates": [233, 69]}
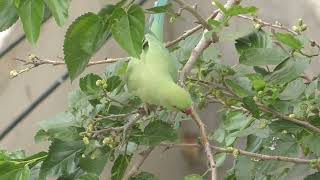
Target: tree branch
{"type": "Point", "coordinates": [36, 61]}
{"type": "Point", "coordinates": [203, 44]}
{"type": "Point", "coordinates": [247, 153]}
{"type": "Point", "coordinates": [205, 143]}
{"type": "Point", "coordinates": [135, 168]}
{"type": "Point", "coordinates": [194, 12]}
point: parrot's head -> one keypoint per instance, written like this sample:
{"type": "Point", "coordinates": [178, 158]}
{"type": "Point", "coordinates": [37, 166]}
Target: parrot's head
{"type": "Point", "coordinates": [180, 99]}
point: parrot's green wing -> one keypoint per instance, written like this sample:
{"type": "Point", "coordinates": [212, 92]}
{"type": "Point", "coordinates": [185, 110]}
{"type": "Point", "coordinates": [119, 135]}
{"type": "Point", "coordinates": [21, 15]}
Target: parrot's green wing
{"type": "Point", "coordinates": [159, 56]}
{"type": "Point", "coordinates": [153, 77]}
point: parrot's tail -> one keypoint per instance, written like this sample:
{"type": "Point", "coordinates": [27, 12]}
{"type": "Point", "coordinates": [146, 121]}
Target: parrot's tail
{"type": "Point", "coordinates": [157, 21]}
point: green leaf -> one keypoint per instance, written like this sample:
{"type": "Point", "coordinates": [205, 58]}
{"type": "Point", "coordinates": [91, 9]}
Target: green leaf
{"type": "Point", "coordinates": [289, 70]}
{"type": "Point", "coordinates": [311, 88]}
{"type": "Point", "coordinates": [255, 39]}
{"type": "Point", "coordinates": [88, 84]}
{"type": "Point", "coordinates": [244, 168]}
{"type": "Point", "coordinates": [144, 176]}
{"type": "Point", "coordinates": [84, 37]}
{"type": "Point", "coordinates": [293, 90]}
{"type": "Point", "coordinates": [119, 167]}
{"type": "Point", "coordinates": [315, 176]}
{"type": "Point", "coordinates": [159, 9]}
{"type": "Point", "coordinates": [10, 170]}
{"type": "Point", "coordinates": [253, 143]}
{"type": "Point", "coordinates": [218, 135]}
{"type": "Point", "coordinates": [155, 133]}
{"type": "Point", "coordinates": [128, 29]}
{"type": "Point", "coordinates": [220, 6]}
{"type": "Point", "coordinates": [59, 10]}
{"type": "Point", "coordinates": [88, 177]}
{"type": "Point", "coordinates": [113, 83]}
{"type": "Point", "coordinates": [258, 84]}
{"type": "Point", "coordinates": [289, 39]}
{"type": "Point", "coordinates": [312, 141]}
{"type": "Point", "coordinates": [237, 10]}
{"type": "Point", "coordinates": [8, 14]}
{"type": "Point", "coordinates": [193, 177]}
{"type": "Point", "coordinates": [237, 89]}
{"type": "Point", "coordinates": [59, 121]}
{"type": "Point", "coordinates": [61, 158]}
{"type": "Point", "coordinates": [94, 166]}
{"type": "Point", "coordinates": [262, 56]}
{"type": "Point", "coordinates": [31, 13]}
{"type": "Point", "coordinates": [235, 120]}
{"type": "Point", "coordinates": [64, 133]}
{"type": "Point", "coordinates": [251, 105]}
{"type": "Point", "coordinates": [220, 158]}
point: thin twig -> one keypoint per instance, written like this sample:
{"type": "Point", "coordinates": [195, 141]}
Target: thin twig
{"type": "Point", "coordinates": [36, 61]}
{"type": "Point", "coordinates": [278, 26]}
{"type": "Point", "coordinates": [135, 168]}
{"type": "Point", "coordinates": [205, 143]}
{"type": "Point", "coordinates": [247, 153]}
{"type": "Point", "coordinates": [264, 23]}
{"type": "Point", "coordinates": [194, 12]}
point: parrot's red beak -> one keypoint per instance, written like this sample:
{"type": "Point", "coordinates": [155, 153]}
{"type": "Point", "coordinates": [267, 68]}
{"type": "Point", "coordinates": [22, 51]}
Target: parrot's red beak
{"type": "Point", "coordinates": [188, 111]}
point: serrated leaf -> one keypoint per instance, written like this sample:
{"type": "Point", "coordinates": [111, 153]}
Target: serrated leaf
{"type": "Point", "coordinates": [31, 13]}
{"type": "Point", "coordinates": [237, 89]}
{"type": "Point", "coordinates": [262, 56]}
{"type": "Point", "coordinates": [13, 171]}
{"type": "Point", "coordinates": [65, 133]}
{"type": "Point", "coordinates": [88, 84]}
{"type": "Point", "coordinates": [84, 37]}
{"type": "Point", "coordinates": [88, 177]}
{"type": "Point", "coordinates": [193, 177]}
{"type": "Point", "coordinates": [59, 9]}
{"type": "Point", "coordinates": [237, 10]}
{"type": "Point", "coordinates": [251, 105]}
{"type": "Point", "coordinates": [159, 9]}
{"type": "Point", "coordinates": [315, 176]}
{"type": "Point", "coordinates": [144, 176]}
{"type": "Point", "coordinates": [289, 39]}
{"type": "Point", "coordinates": [235, 120]}
{"type": "Point", "coordinates": [119, 167]}
{"type": "Point", "coordinates": [289, 70]}
{"type": "Point", "coordinates": [59, 121]}
{"type": "Point", "coordinates": [8, 14]}
{"type": "Point", "coordinates": [128, 29]}
{"type": "Point", "coordinates": [312, 141]}
{"type": "Point", "coordinates": [293, 90]}
{"type": "Point", "coordinates": [61, 158]}
{"type": "Point", "coordinates": [155, 133]}
{"type": "Point", "coordinates": [255, 39]}
{"type": "Point", "coordinates": [94, 166]}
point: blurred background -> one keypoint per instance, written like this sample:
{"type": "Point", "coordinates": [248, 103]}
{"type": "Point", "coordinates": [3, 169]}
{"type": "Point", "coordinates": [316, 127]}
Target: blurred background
{"type": "Point", "coordinates": [17, 94]}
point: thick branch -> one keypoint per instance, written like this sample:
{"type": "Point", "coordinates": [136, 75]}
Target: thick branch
{"type": "Point", "coordinates": [194, 12]}
{"type": "Point", "coordinates": [248, 154]}
{"type": "Point", "coordinates": [203, 44]}
{"type": "Point", "coordinates": [205, 143]}
{"type": "Point", "coordinates": [135, 168]}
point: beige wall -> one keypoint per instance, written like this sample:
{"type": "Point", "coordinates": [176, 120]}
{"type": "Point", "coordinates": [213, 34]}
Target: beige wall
{"type": "Point", "coordinates": [17, 94]}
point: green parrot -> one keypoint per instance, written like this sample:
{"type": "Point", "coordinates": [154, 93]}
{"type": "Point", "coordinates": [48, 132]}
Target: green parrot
{"type": "Point", "coordinates": [153, 77]}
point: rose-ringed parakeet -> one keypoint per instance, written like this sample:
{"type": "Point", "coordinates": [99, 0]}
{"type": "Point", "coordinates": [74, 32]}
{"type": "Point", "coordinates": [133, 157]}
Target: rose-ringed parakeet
{"type": "Point", "coordinates": [153, 76]}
